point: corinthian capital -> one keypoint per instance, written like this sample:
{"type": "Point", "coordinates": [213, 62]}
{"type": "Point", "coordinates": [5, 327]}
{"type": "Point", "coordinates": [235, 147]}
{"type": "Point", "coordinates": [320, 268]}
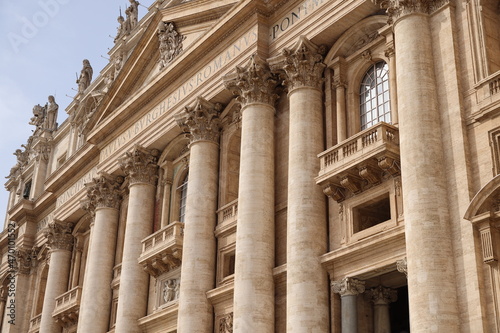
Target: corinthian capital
{"type": "Point", "coordinates": [348, 286]}
{"type": "Point", "coordinates": [59, 235]}
{"type": "Point", "coordinates": [140, 165]}
{"type": "Point", "coordinates": [398, 8]}
{"type": "Point", "coordinates": [302, 64]}
{"type": "Point", "coordinates": [253, 83]}
{"type": "Point", "coordinates": [25, 260]}
{"type": "Point", "coordinates": [382, 295]}
{"type": "Point", "coordinates": [200, 122]}
{"type": "Point", "coordinates": [103, 192]}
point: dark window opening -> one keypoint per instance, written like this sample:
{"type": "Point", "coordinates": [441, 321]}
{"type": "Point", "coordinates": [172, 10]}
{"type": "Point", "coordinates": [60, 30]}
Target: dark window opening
{"type": "Point", "coordinates": [400, 313]}
{"type": "Point", "coordinates": [27, 190]}
{"type": "Point", "coordinates": [372, 213]}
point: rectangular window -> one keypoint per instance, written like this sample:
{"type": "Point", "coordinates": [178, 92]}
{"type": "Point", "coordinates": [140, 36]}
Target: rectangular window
{"type": "Point", "coordinates": [371, 213]}
{"type": "Point", "coordinates": [27, 190]}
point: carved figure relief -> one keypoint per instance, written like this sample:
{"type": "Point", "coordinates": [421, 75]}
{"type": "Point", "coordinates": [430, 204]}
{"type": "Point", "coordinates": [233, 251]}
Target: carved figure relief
{"type": "Point", "coordinates": [170, 43]}
{"type": "Point", "coordinates": [226, 323]}
{"type": "Point", "coordinates": [171, 290]}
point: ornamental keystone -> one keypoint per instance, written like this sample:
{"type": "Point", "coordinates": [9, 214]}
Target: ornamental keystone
{"type": "Point", "coordinates": [301, 65]}
{"type": "Point", "coordinates": [140, 165]}
{"type": "Point", "coordinates": [253, 83]}
{"type": "Point", "coordinates": [200, 122]}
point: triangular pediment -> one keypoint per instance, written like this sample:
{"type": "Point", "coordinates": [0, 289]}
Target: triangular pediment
{"type": "Point", "coordinates": [141, 64]}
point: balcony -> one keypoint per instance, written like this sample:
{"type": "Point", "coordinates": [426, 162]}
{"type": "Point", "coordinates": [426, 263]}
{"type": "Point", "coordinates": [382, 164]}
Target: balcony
{"type": "Point", "coordinates": [67, 307]}
{"type": "Point", "coordinates": [35, 324]}
{"type": "Point", "coordinates": [117, 272]}
{"type": "Point", "coordinates": [487, 97]}
{"type": "Point", "coordinates": [226, 219]}
{"type": "Point", "coordinates": [359, 162]}
{"type": "Point", "coordinates": [162, 251]}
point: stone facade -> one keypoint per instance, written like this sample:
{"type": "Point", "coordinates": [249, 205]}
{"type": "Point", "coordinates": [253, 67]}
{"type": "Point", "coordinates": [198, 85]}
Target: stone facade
{"type": "Point", "coordinates": [267, 166]}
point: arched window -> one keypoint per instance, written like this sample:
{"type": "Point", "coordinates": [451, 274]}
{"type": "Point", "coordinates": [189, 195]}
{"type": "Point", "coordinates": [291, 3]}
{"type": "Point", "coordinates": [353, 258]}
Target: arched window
{"type": "Point", "coordinates": [182, 189]}
{"type": "Point", "coordinates": [374, 100]}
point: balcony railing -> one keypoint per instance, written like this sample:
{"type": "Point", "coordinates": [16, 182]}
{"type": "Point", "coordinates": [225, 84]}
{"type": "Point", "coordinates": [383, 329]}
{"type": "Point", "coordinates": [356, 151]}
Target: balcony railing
{"type": "Point", "coordinates": [117, 272]}
{"type": "Point", "coordinates": [228, 213]}
{"type": "Point", "coordinates": [364, 156]}
{"type": "Point", "coordinates": [67, 307]}
{"type": "Point", "coordinates": [162, 251]}
{"type": "Point", "coordinates": [488, 96]}
{"type": "Point", "coordinates": [35, 323]}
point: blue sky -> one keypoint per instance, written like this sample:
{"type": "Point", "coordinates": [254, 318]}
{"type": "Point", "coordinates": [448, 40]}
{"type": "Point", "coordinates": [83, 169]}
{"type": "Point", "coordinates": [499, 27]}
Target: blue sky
{"type": "Point", "coordinates": [43, 43]}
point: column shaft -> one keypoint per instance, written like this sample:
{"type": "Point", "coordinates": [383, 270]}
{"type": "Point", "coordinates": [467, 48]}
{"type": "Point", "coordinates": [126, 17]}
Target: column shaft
{"type": "Point", "coordinates": [57, 283]}
{"type": "Point", "coordinates": [307, 299]}
{"type": "Point", "coordinates": [433, 308]}
{"type": "Point", "coordinates": [253, 282]}
{"type": "Point", "coordinates": [134, 281]}
{"type": "Point", "coordinates": [349, 314]}
{"type": "Point", "coordinates": [96, 294]}
{"type": "Point", "coordinates": [199, 247]}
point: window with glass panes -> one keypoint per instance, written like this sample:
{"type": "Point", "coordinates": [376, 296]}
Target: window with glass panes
{"type": "Point", "coordinates": [374, 96]}
{"type": "Point", "coordinates": [182, 202]}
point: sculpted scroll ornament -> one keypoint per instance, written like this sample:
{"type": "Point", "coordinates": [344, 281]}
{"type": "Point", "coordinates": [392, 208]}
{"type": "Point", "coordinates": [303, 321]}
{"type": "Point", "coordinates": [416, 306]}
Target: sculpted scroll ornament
{"type": "Point", "coordinates": [254, 83]}
{"type": "Point", "coordinates": [170, 43]}
{"type": "Point", "coordinates": [103, 192]}
{"type": "Point", "coordinates": [348, 286]}
{"type": "Point", "coordinates": [140, 165]}
{"type": "Point", "coordinates": [201, 122]}
{"type": "Point", "coordinates": [302, 64]}
{"type": "Point", "coordinates": [59, 236]}
{"type": "Point", "coordinates": [398, 8]}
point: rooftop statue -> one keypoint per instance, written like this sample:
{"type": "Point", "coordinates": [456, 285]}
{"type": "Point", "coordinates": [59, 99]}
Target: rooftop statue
{"type": "Point", "coordinates": [51, 109]}
{"type": "Point", "coordinates": [132, 13]}
{"type": "Point", "coordinates": [85, 77]}
{"type": "Point", "coordinates": [123, 28]}
{"type": "Point", "coordinates": [38, 117]}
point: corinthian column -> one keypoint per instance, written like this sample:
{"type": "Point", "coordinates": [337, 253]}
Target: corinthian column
{"type": "Point", "coordinates": [306, 282]}
{"type": "Point", "coordinates": [381, 298]}
{"type": "Point", "coordinates": [60, 242]}
{"type": "Point", "coordinates": [141, 168]}
{"type": "Point", "coordinates": [201, 123]}
{"type": "Point", "coordinates": [253, 276]}
{"type": "Point", "coordinates": [427, 225]}
{"type": "Point", "coordinates": [349, 289]}
{"type": "Point", "coordinates": [103, 201]}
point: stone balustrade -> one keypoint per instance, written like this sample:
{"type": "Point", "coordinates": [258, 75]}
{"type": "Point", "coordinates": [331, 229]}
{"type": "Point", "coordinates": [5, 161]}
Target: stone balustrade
{"type": "Point", "coordinates": [488, 97]}
{"type": "Point", "coordinates": [364, 156]}
{"type": "Point", "coordinates": [117, 271]}
{"type": "Point", "coordinates": [228, 213]}
{"type": "Point", "coordinates": [35, 324]}
{"type": "Point", "coordinates": [67, 307]}
{"type": "Point", "coordinates": [162, 251]}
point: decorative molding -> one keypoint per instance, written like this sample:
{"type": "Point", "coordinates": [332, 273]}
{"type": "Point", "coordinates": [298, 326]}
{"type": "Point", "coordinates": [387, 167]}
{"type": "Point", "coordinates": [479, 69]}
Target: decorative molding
{"type": "Point", "coordinates": [348, 287]}
{"type": "Point", "coordinates": [402, 266]}
{"type": "Point", "coordinates": [335, 192]}
{"type": "Point", "coordinates": [226, 323]}
{"type": "Point", "coordinates": [253, 83]}
{"type": "Point", "coordinates": [59, 235]}
{"type": "Point", "coordinates": [200, 122]}
{"type": "Point", "coordinates": [163, 262]}
{"type": "Point", "coordinates": [302, 64]}
{"type": "Point", "coordinates": [398, 8]}
{"type": "Point", "coordinates": [382, 295]}
{"type": "Point", "coordinates": [140, 165]}
{"type": "Point", "coordinates": [103, 191]}
{"type": "Point", "coordinates": [170, 43]}
{"type": "Point", "coordinates": [25, 260]}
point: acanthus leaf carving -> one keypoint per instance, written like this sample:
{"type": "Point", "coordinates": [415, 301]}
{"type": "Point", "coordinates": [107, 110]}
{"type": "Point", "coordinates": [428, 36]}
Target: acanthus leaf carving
{"type": "Point", "coordinates": [59, 235]}
{"type": "Point", "coordinates": [382, 295]}
{"type": "Point", "coordinates": [302, 64]}
{"type": "Point", "coordinates": [201, 122]}
{"type": "Point", "coordinates": [398, 8]}
{"type": "Point", "coordinates": [140, 165]}
{"type": "Point", "coordinates": [253, 83]}
{"type": "Point", "coordinates": [103, 192]}
{"type": "Point", "coordinates": [348, 286]}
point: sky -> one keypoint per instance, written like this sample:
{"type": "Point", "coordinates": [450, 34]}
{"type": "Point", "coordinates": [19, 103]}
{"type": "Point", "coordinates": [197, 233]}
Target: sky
{"type": "Point", "coordinates": [42, 45]}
